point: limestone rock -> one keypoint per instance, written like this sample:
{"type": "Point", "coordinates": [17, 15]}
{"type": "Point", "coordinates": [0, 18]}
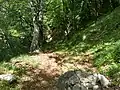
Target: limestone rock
{"type": "Point", "coordinates": [79, 80]}
{"type": "Point", "coordinates": [8, 77]}
{"type": "Point", "coordinates": [104, 81]}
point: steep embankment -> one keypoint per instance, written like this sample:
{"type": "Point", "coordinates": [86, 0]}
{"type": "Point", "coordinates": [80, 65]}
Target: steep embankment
{"type": "Point", "coordinates": [102, 40]}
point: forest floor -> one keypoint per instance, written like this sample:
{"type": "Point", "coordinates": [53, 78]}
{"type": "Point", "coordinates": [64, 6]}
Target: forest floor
{"type": "Point", "coordinates": [43, 69]}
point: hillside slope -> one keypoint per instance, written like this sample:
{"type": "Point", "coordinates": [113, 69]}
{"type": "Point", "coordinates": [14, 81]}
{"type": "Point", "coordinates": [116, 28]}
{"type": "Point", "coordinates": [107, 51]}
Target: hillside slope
{"type": "Point", "coordinates": [101, 38]}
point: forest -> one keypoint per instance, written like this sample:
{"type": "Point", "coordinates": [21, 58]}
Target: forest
{"type": "Point", "coordinates": [42, 39]}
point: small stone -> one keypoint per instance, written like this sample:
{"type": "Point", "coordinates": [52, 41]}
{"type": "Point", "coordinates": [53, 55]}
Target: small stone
{"type": "Point", "coordinates": [77, 87]}
{"type": "Point", "coordinates": [104, 81]}
{"type": "Point", "coordinates": [44, 83]}
{"type": "Point", "coordinates": [95, 87]}
{"type": "Point", "coordinates": [8, 77]}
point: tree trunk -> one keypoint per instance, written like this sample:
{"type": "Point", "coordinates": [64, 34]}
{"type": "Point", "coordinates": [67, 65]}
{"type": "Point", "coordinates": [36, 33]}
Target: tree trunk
{"type": "Point", "coordinates": [37, 11]}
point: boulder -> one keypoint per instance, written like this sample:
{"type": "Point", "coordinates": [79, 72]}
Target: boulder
{"type": "Point", "coordinates": [80, 80]}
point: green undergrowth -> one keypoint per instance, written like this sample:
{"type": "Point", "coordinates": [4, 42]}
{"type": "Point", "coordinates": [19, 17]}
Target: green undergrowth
{"type": "Point", "coordinates": [114, 73]}
{"type": "Point", "coordinates": [12, 44]}
{"type": "Point", "coordinates": [10, 67]}
{"type": "Point", "coordinates": [102, 39]}
{"type": "Point", "coordinates": [6, 86]}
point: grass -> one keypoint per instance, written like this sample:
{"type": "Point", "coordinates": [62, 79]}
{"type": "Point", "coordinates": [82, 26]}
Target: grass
{"type": "Point", "coordinates": [102, 39]}
{"type": "Point", "coordinates": [7, 68]}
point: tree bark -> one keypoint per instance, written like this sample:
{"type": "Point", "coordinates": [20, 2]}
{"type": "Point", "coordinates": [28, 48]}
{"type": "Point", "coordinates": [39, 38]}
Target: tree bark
{"type": "Point", "coordinates": [37, 11]}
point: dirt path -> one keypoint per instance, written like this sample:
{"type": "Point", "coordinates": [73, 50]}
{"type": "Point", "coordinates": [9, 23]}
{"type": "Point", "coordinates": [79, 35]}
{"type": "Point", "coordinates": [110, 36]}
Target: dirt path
{"type": "Point", "coordinates": [43, 69]}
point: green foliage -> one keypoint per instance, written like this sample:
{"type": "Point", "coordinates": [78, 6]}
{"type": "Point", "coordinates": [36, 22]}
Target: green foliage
{"type": "Point", "coordinates": [9, 67]}
{"type": "Point", "coordinates": [105, 54]}
{"type": "Point", "coordinates": [11, 46]}
{"type": "Point", "coordinates": [15, 28]}
{"type": "Point", "coordinates": [114, 73]}
{"type": "Point", "coordinates": [6, 67]}
{"type": "Point", "coordinates": [6, 86]}
{"type": "Point", "coordinates": [61, 20]}
{"type": "Point", "coordinates": [102, 39]}
{"type": "Point", "coordinates": [116, 55]}
{"type": "Point", "coordinates": [104, 35]}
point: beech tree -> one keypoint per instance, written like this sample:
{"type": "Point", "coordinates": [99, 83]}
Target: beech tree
{"type": "Point", "coordinates": [37, 17]}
